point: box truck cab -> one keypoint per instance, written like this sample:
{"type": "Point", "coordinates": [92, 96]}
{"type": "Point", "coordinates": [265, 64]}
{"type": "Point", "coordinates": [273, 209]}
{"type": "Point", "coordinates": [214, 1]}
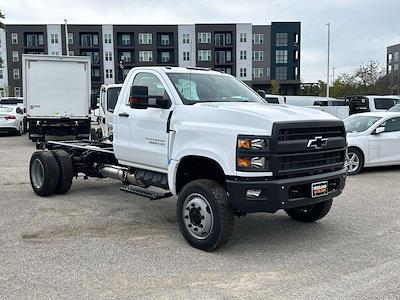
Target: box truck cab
{"type": "Point", "coordinates": [108, 99]}
{"type": "Point", "coordinates": [210, 140]}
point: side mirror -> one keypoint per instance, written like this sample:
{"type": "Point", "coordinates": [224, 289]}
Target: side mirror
{"type": "Point", "coordinates": [93, 102]}
{"type": "Point", "coordinates": [139, 98]}
{"type": "Point", "coordinates": [379, 130]}
{"type": "Point", "coordinates": [261, 93]}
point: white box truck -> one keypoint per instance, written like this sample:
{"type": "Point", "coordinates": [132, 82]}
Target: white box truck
{"type": "Point", "coordinates": [57, 93]}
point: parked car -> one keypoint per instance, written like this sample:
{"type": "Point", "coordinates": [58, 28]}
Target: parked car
{"type": "Point", "coordinates": [11, 119]}
{"type": "Point", "coordinates": [373, 140]}
{"type": "Point", "coordinates": [275, 99]}
{"type": "Point", "coordinates": [360, 104]}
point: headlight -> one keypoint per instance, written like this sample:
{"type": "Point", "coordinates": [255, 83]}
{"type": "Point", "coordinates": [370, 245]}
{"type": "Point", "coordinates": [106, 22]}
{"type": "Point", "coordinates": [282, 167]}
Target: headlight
{"type": "Point", "coordinates": [252, 154]}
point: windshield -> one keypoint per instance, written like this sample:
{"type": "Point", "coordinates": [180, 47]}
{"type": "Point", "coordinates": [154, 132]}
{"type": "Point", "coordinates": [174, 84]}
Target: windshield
{"type": "Point", "coordinates": [112, 97]}
{"type": "Point", "coordinates": [197, 88]}
{"type": "Point", "coordinates": [359, 123]}
{"type": "Point", "coordinates": [6, 109]}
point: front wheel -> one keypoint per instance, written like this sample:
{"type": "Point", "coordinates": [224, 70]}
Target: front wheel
{"type": "Point", "coordinates": [310, 213]}
{"type": "Point", "coordinates": [204, 214]}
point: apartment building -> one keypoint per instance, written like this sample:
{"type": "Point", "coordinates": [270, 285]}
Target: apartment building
{"type": "Point", "coordinates": [257, 54]}
{"type": "Point", "coordinates": [392, 67]}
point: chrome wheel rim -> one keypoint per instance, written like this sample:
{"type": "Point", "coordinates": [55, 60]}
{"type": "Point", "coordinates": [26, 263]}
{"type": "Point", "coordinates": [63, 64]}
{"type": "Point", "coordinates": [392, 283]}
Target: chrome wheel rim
{"type": "Point", "coordinates": [352, 162]}
{"type": "Point", "coordinates": [37, 173]}
{"type": "Point", "coordinates": [198, 216]}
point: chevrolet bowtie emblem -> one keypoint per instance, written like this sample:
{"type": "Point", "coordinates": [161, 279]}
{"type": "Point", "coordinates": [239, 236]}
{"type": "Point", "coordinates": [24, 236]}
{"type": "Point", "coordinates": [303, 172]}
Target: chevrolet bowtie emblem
{"type": "Point", "coordinates": [317, 143]}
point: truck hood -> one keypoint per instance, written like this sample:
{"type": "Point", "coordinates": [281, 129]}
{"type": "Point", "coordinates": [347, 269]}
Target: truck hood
{"type": "Point", "coordinates": [254, 118]}
{"type": "Point", "coordinates": [274, 112]}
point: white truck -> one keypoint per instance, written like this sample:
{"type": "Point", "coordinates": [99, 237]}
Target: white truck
{"type": "Point", "coordinates": [213, 142]}
{"type": "Point", "coordinates": [108, 99]}
{"type": "Point", "coordinates": [57, 95]}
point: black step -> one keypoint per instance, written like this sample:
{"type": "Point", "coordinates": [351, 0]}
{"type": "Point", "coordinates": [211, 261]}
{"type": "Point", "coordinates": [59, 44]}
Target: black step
{"type": "Point", "coordinates": [152, 195]}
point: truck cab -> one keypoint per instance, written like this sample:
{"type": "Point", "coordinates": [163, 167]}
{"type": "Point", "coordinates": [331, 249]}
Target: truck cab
{"type": "Point", "coordinates": [371, 103]}
{"type": "Point", "coordinates": [108, 99]}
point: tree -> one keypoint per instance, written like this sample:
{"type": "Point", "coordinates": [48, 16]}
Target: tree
{"type": "Point", "coordinates": [275, 87]}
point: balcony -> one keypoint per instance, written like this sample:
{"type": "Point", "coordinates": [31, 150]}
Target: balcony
{"type": "Point", "coordinates": [223, 39]}
{"type": "Point", "coordinates": [34, 40]}
{"type": "Point", "coordinates": [89, 40]}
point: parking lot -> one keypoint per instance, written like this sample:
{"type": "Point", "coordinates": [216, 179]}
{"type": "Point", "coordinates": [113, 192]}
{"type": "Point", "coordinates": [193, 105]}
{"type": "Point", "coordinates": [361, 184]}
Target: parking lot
{"type": "Point", "coordinates": [99, 242]}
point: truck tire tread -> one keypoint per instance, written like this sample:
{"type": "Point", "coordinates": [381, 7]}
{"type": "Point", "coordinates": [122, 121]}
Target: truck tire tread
{"type": "Point", "coordinates": [51, 173]}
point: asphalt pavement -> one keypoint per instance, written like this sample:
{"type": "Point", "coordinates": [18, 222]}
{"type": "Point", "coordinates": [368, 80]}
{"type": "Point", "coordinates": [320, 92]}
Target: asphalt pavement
{"type": "Point", "coordinates": [100, 243]}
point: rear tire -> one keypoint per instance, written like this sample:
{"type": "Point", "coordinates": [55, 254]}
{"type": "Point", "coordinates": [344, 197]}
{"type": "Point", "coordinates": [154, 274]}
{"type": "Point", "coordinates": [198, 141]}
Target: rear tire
{"type": "Point", "coordinates": [66, 171]}
{"type": "Point", "coordinates": [204, 214]}
{"type": "Point", "coordinates": [44, 173]}
{"type": "Point", "coordinates": [310, 213]}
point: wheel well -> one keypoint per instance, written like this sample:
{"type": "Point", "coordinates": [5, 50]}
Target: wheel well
{"type": "Point", "coordinates": [196, 167]}
{"type": "Point", "coordinates": [359, 149]}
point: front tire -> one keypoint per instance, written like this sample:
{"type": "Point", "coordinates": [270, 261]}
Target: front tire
{"type": "Point", "coordinates": [204, 214]}
{"type": "Point", "coordinates": [44, 173]}
{"type": "Point", "coordinates": [310, 213]}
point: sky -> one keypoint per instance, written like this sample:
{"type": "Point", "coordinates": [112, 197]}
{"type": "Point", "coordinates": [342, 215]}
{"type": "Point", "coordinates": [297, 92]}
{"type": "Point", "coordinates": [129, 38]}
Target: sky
{"type": "Point", "coordinates": [360, 29]}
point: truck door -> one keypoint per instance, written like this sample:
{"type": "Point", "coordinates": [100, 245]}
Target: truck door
{"type": "Point", "coordinates": [384, 147]}
{"type": "Point", "coordinates": [147, 144]}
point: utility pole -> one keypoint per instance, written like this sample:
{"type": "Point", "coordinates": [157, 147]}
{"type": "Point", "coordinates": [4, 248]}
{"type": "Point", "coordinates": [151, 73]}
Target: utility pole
{"type": "Point", "coordinates": [333, 75]}
{"type": "Point", "coordinates": [327, 74]}
{"type": "Point", "coordinates": [66, 38]}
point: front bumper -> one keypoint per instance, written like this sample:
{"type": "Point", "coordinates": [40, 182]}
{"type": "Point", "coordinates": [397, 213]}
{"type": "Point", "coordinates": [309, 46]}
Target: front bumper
{"type": "Point", "coordinates": [282, 193]}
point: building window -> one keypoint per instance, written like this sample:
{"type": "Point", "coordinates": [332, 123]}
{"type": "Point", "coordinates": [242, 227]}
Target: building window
{"type": "Point", "coordinates": [389, 68]}
{"type": "Point", "coordinates": [17, 91]}
{"type": "Point", "coordinates": [242, 72]}
{"type": "Point", "coordinates": [281, 73]}
{"type": "Point", "coordinates": [95, 72]}
{"type": "Point", "coordinates": [108, 55]}
{"type": "Point", "coordinates": [186, 56]}
{"type": "Point", "coordinates": [395, 67]}
{"type": "Point", "coordinates": [126, 56]}
{"type": "Point", "coordinates": [107, 38]}
{"type": "Point", "coordinates": [145, 38]}
{"type": "Point", "coordinates": [89, 39]}
{"type": "Point", "coordinates": [243, 37]}
{"type": "Point", "coordinates": [258, 38]}
{"type": "Point", "coordinates": [55, 53]}
{"type": "Point", "coordinates": [296, 72]}
{"type": "Point", "coordinates": [71, 53]}
{"type": "Point", "coordinates": [223, 39]}
{"type": "Point", "coordinates": [109, 73]}
{"type": "Point", "coordinates": [204, 55]}
{"type": "Point", "coordinates": [222, 57]}
{"type": "Point", "coordinates": [396, 56]}
{"type": "Point", "coordinates": [165, 57]}
{"type": "Point", "coordinates": [34, 40]}
{"type": "Point", "coordinates": [16, 73]}
{"type": "Point", "coordinates": [70, 38]}
{"type": "Point", "coordinates": [94, 55]}
{"type": "Point", "coordinates": [282, 39]}
{"type": "Point", "coordinates": [281, 56]}
{"type": "Point", "coordinates": [243, 54]}
{"type": "Point", "coordinates": [296, 38]}
{"type": "Point", "coordinates": [54, 38]}
{"type": "Point", "coordinates": [296, 54]}
{"type": "Point", "coordinates": [268, 72]}
{"type": "Point", "coordinates": [125, 40]}
{"type": "Point", "coordinates": [204, 37]}
{"type": "Point", "coordinates": [145, 55]}
{"type": "Point", "coordinates": [258, 55]}
{"type": "Point", "coordinates": [164, 40]}
{"type": "Point", "coordinates": [1, 74]}
{"type": "Point", "coordinates": [390, 56]}
{"type": "Point", "coordinates": [185, 38]}
{"type": "Point", "coordinates": [15, 56]}
{"type": "Point", "coordinates": [14, 38]}
{"type": "Point", "coordinates": [258, 72]}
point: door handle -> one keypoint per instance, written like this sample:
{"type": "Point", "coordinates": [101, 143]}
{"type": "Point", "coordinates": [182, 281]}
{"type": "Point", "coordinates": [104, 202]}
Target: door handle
{"type": "Point", "coordinates": [124, 114]}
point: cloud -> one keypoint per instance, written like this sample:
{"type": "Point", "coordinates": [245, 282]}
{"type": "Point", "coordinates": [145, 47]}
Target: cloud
{"type": "Point", "coordinates": [361, 29]}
